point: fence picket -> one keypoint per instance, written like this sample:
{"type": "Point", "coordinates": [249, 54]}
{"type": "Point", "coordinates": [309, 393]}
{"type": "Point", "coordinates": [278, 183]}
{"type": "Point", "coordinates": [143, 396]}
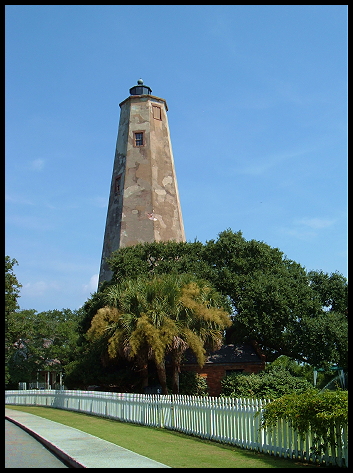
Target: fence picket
{"type": "Point", "coordinates": [228, 420]}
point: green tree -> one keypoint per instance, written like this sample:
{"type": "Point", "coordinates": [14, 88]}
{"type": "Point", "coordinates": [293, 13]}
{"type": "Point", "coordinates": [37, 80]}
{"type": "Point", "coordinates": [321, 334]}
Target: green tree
{"type": "Point", "coordinates": [19, 362]}
{"type": "Point", "coordinates": [154, 258]}
{"type": "Point", "coordinates": [270, 294]}
{"type": "Point", "coordinates": [58, 329]}
{"type": "Point", "coordinates": [275, 300]}
{"type": "Point", "coordinates": [150, 317]}
{"type": "Point", "coordinates": [147, 259]}
{"type": "Point", "coordinates": [39, 338]}
{"type": "Point", "coordinates": [327, 332]}
{"type": "Point", "coordinates": [325, 340]}
{"type": "Point", "coordinates": [92, 366]}
{"type": "Point", "coordinates": [331, 290]}
{"type": "Point", "coordinates": [12, 291]}
{"type": "Point", "coordinates": [200, 311]}
{"type": "Point", "coordinates": [12, 287]}
{"type": "Point", "coordinates": [300, 370]}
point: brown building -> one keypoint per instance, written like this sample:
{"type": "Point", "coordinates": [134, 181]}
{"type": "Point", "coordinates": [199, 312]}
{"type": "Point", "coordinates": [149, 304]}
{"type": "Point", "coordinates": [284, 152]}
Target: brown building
{"type": "Point", "coordinates": [241, 358]}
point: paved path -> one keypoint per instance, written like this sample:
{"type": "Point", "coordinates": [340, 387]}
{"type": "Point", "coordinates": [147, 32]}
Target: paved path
{"type": "Point", "coordinates": [79, 449]}
{"type": "Point", "coordinates": [24, 451]}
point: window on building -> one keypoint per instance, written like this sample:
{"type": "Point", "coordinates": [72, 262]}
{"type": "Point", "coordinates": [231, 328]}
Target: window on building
{"type": "Point", "coordinates": [117, 187]}
{"type": "Point", "coordinates": [237, 371]}
{"type": "Point", "coordinates": [157, 112]}
{"type": "Point", "coordinates": [139, 138]}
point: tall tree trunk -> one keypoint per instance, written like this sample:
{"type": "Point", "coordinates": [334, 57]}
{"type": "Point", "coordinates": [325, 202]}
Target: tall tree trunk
{"type": "Point", "coordinates": [162, 376]}
{"type": "Point", "coordinates": [143, 371]}
{"type": "Point", "coordinates": [175, 378]}
{"type": "Point", "coordinates": [144, 376]}
{"type": "Point", "coordinates": [176, 364]}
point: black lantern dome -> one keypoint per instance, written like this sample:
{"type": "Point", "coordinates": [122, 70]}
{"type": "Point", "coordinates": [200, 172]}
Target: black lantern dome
{"type": "Point", "coordinates": [140, 89]}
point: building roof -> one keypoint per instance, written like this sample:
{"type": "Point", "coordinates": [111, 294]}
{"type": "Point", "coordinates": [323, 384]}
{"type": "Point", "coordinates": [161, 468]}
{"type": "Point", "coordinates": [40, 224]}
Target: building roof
{"type": "Point", "coordinates": [240, 353]}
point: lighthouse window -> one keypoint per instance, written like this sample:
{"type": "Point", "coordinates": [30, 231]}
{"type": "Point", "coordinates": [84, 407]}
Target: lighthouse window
{"type": "Point", "coordinates": [139, 138]}
{"type": "Point", "coordinates": [157, 114]}
{"type": "Point", "coordinates": [118, 185]}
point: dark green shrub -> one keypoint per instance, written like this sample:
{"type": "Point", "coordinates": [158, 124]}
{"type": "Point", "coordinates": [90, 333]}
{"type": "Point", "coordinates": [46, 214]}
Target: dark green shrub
{"type": "Point", "coordinates": [320, 412]}
{"type": "Point", "coordinates": [240, 385]}
{"type": "Point", "coordinates": [192, 384]}
{"type": "Point", "coordinates": [269, 384]}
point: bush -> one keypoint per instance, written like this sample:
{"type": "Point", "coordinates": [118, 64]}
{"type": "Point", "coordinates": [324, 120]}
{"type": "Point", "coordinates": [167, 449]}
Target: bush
{"type": "Point", "coordinates": [192, 384]}
{"type": "Point", "coordinates": [317, 411]}
{"type": "Point", "coordinates": [270, 384]}
{"type": "Point", "coordinates": [240, 385]}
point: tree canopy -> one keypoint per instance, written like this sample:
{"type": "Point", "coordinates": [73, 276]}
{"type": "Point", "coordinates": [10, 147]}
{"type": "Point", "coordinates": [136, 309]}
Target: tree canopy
{"type": "Point", "coordinates": [12, 288]}
{"type": "Point", "coordinates": [148, 318]}
{"type": "Point", "coordinates": [288, 310]}
{"type": "Point", "coordinates": [37, 341]}
{"type": "Point", "coordinates": [155, 295]}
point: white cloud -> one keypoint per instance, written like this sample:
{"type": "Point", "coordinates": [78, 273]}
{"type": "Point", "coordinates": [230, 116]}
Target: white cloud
{"type": "Point", "coordinates": [300, 234]}
{"type": "Point", "coordinates": [38, 288]}
{"type": "Point", "coordinates": [92, 285]}
{"type": "Point", "coordinates": [316, 223]}
{"type": "Point", "coordinates": [31, 222]}
{"type": "Point", "coordinates": [267, 163]}
{"type": "Point", "coordinates": [307, 228]}
{"type": "Point", "coordinates": [18, 200]}
{"type": "Point", "coordinates": [37, 164]}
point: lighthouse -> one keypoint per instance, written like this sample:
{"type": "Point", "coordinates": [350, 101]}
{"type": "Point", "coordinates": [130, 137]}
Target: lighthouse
{"type": "Point", "coordinates": [144, 203]}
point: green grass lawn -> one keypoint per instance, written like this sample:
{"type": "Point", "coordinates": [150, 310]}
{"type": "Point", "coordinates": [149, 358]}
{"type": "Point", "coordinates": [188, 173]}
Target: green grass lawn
{"type": "Point", "coordinates": [172, 448]}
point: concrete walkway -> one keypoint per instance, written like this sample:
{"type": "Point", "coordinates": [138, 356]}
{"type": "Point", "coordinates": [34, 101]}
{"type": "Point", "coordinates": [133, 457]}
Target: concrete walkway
{"type": "Point", "coordinates": [79, 449]}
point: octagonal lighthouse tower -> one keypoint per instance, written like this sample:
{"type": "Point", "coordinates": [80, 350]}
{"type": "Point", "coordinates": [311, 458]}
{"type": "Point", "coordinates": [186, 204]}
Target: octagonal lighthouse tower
{"type": "Point", "coordinates": [144, 202]}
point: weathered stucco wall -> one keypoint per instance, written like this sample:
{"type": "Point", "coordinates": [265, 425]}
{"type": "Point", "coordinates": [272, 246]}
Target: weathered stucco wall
{"type": "Point", "coordinates": [144, 202]}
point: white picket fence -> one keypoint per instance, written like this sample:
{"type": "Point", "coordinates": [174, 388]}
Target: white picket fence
{"type": "Point", "coordinates": [227, 420]}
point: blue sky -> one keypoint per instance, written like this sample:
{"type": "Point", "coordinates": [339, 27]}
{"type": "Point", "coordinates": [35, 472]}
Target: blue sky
{"type": "Point", "coordinates": [257, 99]}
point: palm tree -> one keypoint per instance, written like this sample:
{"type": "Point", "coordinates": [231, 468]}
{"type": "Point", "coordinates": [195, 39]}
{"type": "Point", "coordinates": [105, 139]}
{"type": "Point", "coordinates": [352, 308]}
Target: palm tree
{"type": "Point", "coordinates": [147, 318]}
{"type": "Point", "coordinates": [202, 315]}
{"type": "Point", "coordinates": [117, 327]}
